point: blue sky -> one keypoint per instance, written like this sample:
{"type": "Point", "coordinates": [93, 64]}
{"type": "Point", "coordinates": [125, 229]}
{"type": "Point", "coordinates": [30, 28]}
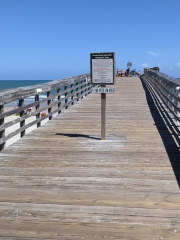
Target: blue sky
{"type": "Point", "coordinates": [53, 39]}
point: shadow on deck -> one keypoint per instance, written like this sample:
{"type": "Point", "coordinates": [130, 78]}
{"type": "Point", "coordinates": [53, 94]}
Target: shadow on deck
{"type": "Point", "coordinates": [163, 122]}
{"type": "Point", "coordinates": [71, 135]}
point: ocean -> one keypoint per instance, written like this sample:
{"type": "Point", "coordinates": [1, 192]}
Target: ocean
{"type": "Point", "coordinates": [9, 84]}
{"type": "Point", "coordinates": [4, 84]}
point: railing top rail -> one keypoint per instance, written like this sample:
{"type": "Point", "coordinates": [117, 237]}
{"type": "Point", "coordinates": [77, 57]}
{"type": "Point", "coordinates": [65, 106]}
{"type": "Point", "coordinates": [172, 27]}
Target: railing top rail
{"type": "Point", "coordinates": [14, 94]}
{"type": "Point", "coordinates": [173, 82]}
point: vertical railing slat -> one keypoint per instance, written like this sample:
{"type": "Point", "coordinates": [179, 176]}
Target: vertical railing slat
{"type": "Point", "coordinates": [37, 108]}
{"type": "Point", "coordinates": [48, 103]}
{"type": "Point", "coordinates": [66, 93]}
{"type": "Point", "coordinates": [81, 82]}
{"type": "Point", "coordinates": [77, 94]}
{"type": "Point", "coordinates": [72, 97]}
{"type": "Point", "coordinates": [22, 113]}
{"type": "Point", "coordinates": [2, 132]}
{"type": "Point", "coordinates": [59, 97]}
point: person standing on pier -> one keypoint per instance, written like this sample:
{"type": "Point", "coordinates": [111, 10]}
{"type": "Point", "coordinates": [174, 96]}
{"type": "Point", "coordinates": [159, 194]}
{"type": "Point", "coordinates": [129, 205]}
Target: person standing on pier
{"type": "Point", "coordinates": [127, 72]}
{"type": "Point", "coordinates": [138, 73]}
{"type": "Point", "coordinates": [117, 72]}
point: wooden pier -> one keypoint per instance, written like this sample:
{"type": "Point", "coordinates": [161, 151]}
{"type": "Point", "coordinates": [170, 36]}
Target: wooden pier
{"type": "Point", "coordinates": [62, 182]}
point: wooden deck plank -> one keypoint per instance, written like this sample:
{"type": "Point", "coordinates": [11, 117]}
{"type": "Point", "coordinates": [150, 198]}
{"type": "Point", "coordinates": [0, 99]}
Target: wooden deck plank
{"type": "Point", "coordinates": [62, 182]}
{"type": "Point", "coordinates": [151, 200]}
{"type": "Point", "coordinates": [56, 229]}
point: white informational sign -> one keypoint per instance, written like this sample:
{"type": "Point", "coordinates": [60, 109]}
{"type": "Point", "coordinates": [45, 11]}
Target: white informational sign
{"type": "Point", "coordinates": [103, 68]}
{"type": "Point", "coordinates": [103, 90]}
{"type": "Point", "coordinates": [102, 71]}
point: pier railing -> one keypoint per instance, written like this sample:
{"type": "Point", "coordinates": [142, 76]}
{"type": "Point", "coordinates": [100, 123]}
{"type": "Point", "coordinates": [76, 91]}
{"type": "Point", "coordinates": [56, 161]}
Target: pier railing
{"type": "Point", "coordinates": [48, 99]}
{"type": "Point", "coordinates": [167, 89]}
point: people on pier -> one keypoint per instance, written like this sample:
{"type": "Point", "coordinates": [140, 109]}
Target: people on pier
{"type": "Point", "coordinates": [117, 72]}
{"type": "Point", "coordinates": [127, 72]}
{"type": "Point", "coordinates": [138, 73]}
{"type": "Point", "coordinates": [123, 73]}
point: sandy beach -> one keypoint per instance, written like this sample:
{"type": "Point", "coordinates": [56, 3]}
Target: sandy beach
{"type": "Point", "coordinates": [16, 126]}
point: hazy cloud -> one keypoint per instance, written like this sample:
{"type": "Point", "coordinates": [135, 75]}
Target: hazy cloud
{"type": "Point", "coordinates": [178, 64]}
{"type": "Point", "coordinates": [153, 54]}
{"type": "Point", "coordinates": [144, 65]}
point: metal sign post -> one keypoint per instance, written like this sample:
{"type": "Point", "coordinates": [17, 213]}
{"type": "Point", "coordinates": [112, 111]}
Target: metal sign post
{"type": "Point", "coordinates": [103, 71]}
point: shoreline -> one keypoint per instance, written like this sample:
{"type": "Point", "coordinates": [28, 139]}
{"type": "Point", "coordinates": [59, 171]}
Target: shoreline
{"type": "Point", "coordinates": [9, 107]}
{"type": "Point", "coordinates": [17, 126]}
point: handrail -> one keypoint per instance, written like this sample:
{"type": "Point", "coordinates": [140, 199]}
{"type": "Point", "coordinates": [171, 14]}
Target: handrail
{"type": "Point", "coordinates": [68, 92]}
{"type": "Point", "coordinates": [167, 88]}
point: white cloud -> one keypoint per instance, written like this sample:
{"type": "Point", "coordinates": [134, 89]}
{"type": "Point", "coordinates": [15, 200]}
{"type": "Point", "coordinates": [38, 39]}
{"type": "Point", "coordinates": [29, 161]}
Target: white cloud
{"type": "Point", "coordinates": [153, 54]}
{"type": "Point", "coordinates": [178, 64]}
{"type": "Point", "coordinates": [144, 65]}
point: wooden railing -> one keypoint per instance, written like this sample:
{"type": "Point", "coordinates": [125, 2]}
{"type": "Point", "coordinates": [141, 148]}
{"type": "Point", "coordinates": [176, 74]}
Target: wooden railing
{"type": "Point", "coordinates": [167, 89]}
{"type": "Point", "coordinates": [59, 94]}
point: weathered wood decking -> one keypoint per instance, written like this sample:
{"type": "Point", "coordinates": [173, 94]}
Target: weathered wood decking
{"type": "Point", "coordinates": [62, 182]}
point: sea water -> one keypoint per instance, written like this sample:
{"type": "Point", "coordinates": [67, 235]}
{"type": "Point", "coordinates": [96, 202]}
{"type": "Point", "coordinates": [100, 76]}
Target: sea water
{"type": "Point", "coordinates": [10, 84]}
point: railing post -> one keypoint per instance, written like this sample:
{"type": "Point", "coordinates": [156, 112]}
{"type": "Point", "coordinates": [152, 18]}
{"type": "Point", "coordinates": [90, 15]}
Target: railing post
{"type": "Point", "coordinates": [164, 91]}
{"type": "Point", "coordinates": [22, 113]}
{"type": "Point", "coordinates": [2, 132]}
{"type": "Point", "coordinates": [85, 93]}
{"type": "Point", "coordinates": [89, 87]}
{"type": "Point", "coordinates": [37, 108]}
{"type": "Point", "coordinates": [81, 89]}
{"type": "Point", "coordinates": [176, 102]}
{"type": "Point", "coordinates": [66, 93]}
{"type": "Point", "coordinates": [86, 86]}
{"type": "Point", "coordinates": [48, 103]}
{"type": "Point", "coordinates": [77, 88]}
{"type": "Point", "coordinates": [161, 88]}
{"type": "Point", "coordinates": [171, 99]}
{"type": "Point", "coordinates": [72, 97]}
{"type": "Point", "coordinates": [59, 97]}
